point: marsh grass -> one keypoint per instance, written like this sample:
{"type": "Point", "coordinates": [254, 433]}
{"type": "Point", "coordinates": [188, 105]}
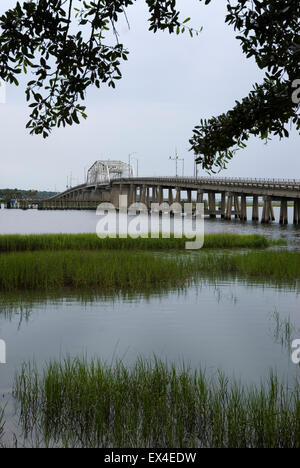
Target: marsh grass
{"type": "Point", "coordinates": [109, 271]}
{"type": "Point", "coordinates": [53, 242]}
{"type": "Point", "coordinates": [122, 272]}
{"type": "Point", "coordinates": [279, 266]}
{"type": "Point", "coordinates": [284, 330]}
{"type": "Point", "coordinates": [153, 404]}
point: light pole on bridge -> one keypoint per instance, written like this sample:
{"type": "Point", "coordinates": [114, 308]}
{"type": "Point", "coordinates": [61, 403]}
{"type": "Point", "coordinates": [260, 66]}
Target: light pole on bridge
{"type": "Point", "coordinates": [130, 156]}
{"type": "Point", "coordinates": [176, 159]}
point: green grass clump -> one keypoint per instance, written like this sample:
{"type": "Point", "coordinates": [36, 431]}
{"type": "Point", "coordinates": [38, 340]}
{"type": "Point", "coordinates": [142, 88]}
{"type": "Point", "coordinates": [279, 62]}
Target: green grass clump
{"type": "Point", "coordinates": [112, 272]}
{"type": "Point", "coordinates": [107, 271]}
{"type": "Point", "coordinates": [153, 404]}
{"type": "Point", "coordinates": [247, 241]}
{"type": "Point", "coordinates": [53, 242]}
{"type": "Point", "coordinates": [272, 266]}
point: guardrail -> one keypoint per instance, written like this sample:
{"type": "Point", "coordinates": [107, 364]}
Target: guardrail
{"type": "Point", "coordinates": [271, 183]}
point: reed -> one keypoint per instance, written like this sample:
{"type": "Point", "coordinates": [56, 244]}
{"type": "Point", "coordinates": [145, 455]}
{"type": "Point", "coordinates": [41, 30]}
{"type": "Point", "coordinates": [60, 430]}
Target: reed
{"type": "Point", "coordinates": [284, 329]}
{"type": "Point", "coordinates": [280, 266]}
{"type": "Point", "coordinates": [153, 404]}
{"type": "Point", "coordinates": [53, 242]}
{"type": "Point", "coordinates": [121, 272]}
{"type": "Point", "coordinates": [110, 271]}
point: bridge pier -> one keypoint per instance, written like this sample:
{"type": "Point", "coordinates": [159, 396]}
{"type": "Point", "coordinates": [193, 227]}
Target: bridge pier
{"type": "Point", "coordinates": [296, 211]}
{"type": "Point", "coordinates": [223, 205]}
{"type": "Point", "coordinates": [143, 197]}
{"type": "Point", "coordinates": [212, 204]}
{"type": "Point", "coordinates": [160, 194]}
{"type": "Point", "coordinates": [229, 207]}
{"type": "Point", "coordinates": [237, 207]}
{"type": "Point", "coordinates": [284, 212]}
{"type": "Point", "coordinates": [243, 215]}
{"type": "Point", "coordinates": [199, 196]}
{"type": "Point", "coordinates": [268, 211]}
{"type": "Point", "coordinates": [255, 209]}
{"type": "Point", "coordinates": [132, 194]}
{"type": "Point", "coordinates": [148, 197]}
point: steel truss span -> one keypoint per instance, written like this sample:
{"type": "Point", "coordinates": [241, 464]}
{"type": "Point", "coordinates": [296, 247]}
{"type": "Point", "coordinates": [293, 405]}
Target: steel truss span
{"type": "Point", "coordinates": [102, 172]}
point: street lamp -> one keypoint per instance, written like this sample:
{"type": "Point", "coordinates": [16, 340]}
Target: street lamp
{"type": "Point", "coordinates": [130, 156]}
{"type": "Point", "coordinates": [137, 165]}
{"type": "Point", "coordinates": [176, 159]}
{"type": "Point", "coordinates": [195, 168]}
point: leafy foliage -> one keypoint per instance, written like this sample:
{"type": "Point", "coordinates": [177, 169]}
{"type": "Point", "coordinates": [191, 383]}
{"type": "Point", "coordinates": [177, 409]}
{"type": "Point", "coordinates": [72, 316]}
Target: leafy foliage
{"type": "Point", "coordinates": [12, 194]}
{"type": "Point", "coordinates": [69, 45]}
{"type": "Point", "coordinates": [36, 37]}
{"type": "Point", "coordinates": [269, 32]}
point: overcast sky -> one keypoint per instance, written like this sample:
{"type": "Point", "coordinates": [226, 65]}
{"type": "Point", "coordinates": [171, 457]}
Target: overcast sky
{"type": "Point", "coordinates": [168, 85]}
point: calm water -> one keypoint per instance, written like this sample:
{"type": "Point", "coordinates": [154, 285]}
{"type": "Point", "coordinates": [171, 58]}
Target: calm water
{"type": "Point", "coordinates": [230, 326]}
{"type": "Point", "coordinates": [33, 222]}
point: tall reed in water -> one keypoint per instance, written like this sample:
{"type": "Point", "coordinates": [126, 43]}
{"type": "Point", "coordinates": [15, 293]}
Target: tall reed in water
{"type": "Point", "coordinates": [153, 404]}
{"type": "Point", "coordinates": [117, 271]}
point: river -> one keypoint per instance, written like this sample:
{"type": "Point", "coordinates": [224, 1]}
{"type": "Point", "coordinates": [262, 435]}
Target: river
{"type": "Point", "coordinates": [234, 326]}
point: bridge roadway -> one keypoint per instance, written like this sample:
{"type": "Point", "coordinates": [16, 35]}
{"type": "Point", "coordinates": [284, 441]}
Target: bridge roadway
{"type": "Point", "coordinates": [234, 195]}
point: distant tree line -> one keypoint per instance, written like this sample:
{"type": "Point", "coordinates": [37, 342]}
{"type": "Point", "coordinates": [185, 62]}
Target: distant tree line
{"type": "Point", "coordinates": [18, 194]}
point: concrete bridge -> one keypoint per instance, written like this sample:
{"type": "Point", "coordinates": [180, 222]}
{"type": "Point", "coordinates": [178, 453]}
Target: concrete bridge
{"type": "Point", "coordinates": [224, 197]}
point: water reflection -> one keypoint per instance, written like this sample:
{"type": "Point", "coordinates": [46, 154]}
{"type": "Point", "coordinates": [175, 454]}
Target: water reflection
{"type": "Point", "coordinates": [242, 327]}
{"type": "Point", "coordinates": [37, 222]}
{"type": "Point", "coordinates": [219, 324]}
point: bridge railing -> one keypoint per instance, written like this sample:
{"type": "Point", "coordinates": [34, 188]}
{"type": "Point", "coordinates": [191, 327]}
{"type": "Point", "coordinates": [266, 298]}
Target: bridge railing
{"type": "Point", "coordinates": [214, 180]}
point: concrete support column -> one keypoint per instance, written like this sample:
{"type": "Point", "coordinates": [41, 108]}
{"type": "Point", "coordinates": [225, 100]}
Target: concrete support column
{"type": "Point", "coordinates": [268, 212]}
{"type": "Point", "coordinates": [229, 207]}
{"type": "Point", "coordinates": [156, 191]}
{"type": "Point", "coordinates": [223, 205]}
{"type": "Point", "coordinates": [170, 196]}
{"type": "Point", "coordinates": [243, 215]}
{"type": "Point", "coordinates": [297, 212]}
{"type": "Point", "coordinates": [132, 194]}
{"type": "Point", "coordinates": [153, 198]}
{"type": "Point", "coordinates": [189, 195]}
{"type": "Point", "coordinates": [160, 194]}
{"type": "Point", "coordinates": [199, 196]}
{"type": "Point", "coordinates": [148, 201]}
{"type": "Point", "coordinates": [143, 194]}
{"type": "Point", "coordinates": [284, 212]}
{"type": "Point", "coordinates": [237, 208]}
{"type": "Point", "coordinates": [212, 204]}
{"type": "Point", "coordinates": [272, 214]}
{"type": "Point", "coordinates": [178, 195]}
{"type": "Point", "coordinates": [255, 209]}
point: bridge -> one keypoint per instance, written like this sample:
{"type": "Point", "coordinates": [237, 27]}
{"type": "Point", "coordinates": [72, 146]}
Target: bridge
{"type": "Point", "coordinates": [223, 197]}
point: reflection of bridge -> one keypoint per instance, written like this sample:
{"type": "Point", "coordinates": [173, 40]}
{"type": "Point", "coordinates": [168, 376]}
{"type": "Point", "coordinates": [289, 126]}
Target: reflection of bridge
{"type": "Point", "coordinates": [223, 197]}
